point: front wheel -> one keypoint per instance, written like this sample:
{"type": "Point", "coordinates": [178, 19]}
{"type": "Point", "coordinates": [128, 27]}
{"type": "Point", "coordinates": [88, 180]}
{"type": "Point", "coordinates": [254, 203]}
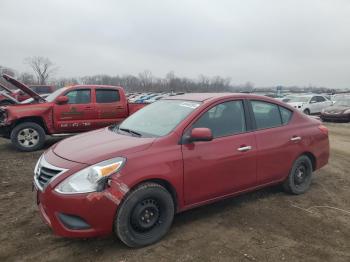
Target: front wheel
{"type": "Point", "coordinates": [307, 111]}
{"type": "Point", "coordinates": [28, 137]}
{"type": "Point", "coordinates": [299, 179]}
{"type": "Point", "coordinates": [145, 216]}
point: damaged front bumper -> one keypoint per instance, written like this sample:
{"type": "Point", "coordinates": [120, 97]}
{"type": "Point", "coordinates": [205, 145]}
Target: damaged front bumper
{"type": "Point", "coordinates": [78, 215]}
{"type": "Point", "coordinates": [4, 126]}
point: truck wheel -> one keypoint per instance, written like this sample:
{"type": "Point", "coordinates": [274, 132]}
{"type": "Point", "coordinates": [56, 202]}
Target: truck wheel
{"type": "Point", "coordinates": [307, 111]}
{"type": "Point", "coordinates": [299, 179]}
{"type": "Point", "coordinates": [28, 136]}
{"type": "Point", "coordinates": [145, 216]}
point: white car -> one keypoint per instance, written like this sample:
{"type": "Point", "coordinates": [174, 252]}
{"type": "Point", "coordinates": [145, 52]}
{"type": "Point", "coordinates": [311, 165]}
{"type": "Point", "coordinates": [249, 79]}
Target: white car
{"type": "Point", "coordinates": [309, 104]}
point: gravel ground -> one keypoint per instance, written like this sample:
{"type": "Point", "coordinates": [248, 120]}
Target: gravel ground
{"type": "Point", "coordinates": [267, 225]}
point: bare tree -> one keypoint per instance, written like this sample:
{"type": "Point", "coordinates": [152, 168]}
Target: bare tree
{"type": "Point", "coordinates": [42, 67]}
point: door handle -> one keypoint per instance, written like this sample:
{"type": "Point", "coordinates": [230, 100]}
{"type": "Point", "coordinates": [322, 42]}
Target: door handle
{"type": "Point", "coordinates": [88, 107]}
{"type": "Point", "coordinates": [244, 148]}
{"type": "Point", "coordinates": [295, 138]}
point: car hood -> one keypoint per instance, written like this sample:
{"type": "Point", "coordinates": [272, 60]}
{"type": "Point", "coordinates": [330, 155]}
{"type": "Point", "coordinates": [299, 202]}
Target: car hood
{"type": "Point", "coordinates": [336, 109]}
{"type": "Point", "coordinates": [99, 145]}
{"type": "Point", "coordinates": [24, 88]}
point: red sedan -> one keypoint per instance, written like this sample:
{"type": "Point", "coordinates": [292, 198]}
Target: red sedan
{"type": "Point", "coordinates": [173, 155]}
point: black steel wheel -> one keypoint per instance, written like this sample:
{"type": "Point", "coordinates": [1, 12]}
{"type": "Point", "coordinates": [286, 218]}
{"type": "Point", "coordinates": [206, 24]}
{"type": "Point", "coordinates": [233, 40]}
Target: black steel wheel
{"type": "Point", "coordinates": [145, 215]}
{"type": "Point", "coordinates": [299, 179]}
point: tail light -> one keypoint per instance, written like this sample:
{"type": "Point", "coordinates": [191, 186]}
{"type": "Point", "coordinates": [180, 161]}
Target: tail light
{"type": "Point", "coordinates": [323, 129]}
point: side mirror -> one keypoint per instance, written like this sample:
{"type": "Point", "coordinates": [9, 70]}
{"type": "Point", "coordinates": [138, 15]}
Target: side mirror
{"type": "Point", "coordinates": [201, 134]}
{"type": "Point", "coordinates": [62, 100]}
{"type": "Point", "coordinates": [312, 102]}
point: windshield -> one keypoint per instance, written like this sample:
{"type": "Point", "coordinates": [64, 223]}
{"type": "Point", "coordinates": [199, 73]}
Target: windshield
{"type": "Point", "coordinates": [55, 94]}
{"type": "Point", "coordinates": [343, 102]}
{"type": "Point", "coordinates": [294, 99]}
{"type": "Point", "coordinates": [159, 118]}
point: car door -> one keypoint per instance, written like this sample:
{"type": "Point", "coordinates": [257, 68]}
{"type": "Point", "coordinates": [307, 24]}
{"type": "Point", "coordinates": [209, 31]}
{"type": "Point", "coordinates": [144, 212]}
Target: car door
{"type": "Point", "coordinates": [278, 141]}
{"type": "Point", "coordinates": [78, 114]}
{"type": "Point", "coordinates": [224, 165]}
{"type": "Point", "coordinates": [314, 105]}
{"type": "Point", "coordinates": [322, 103]}
{"type": "Point", "coordinates": [110, 107]}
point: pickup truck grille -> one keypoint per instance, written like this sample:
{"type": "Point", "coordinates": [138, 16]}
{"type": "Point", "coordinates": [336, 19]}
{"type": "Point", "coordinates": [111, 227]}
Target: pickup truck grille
{"type": "Point", "coordinates": [2, 115]}
{"type": "Point", "coordinates": [45, 173]}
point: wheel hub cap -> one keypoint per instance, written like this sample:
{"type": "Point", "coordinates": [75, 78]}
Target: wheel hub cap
{"type": "Point", "coordinates": [145, 215]}
{"type": "Point", "coordinates": [28, 137]}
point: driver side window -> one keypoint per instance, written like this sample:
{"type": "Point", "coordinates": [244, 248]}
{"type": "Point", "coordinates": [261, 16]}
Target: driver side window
{"type": "Point", "coordinates": [224, 119]}
{"type": "Point", "coordinates": [81, 96]}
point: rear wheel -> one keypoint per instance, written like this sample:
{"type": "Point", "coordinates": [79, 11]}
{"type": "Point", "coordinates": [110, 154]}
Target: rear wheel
{"type": "Point", "coordinates": [28, 136]}
{"type": "Point", "coordinates": [299, 179]}
{"type": "Point", "coordinates": [145, 216]}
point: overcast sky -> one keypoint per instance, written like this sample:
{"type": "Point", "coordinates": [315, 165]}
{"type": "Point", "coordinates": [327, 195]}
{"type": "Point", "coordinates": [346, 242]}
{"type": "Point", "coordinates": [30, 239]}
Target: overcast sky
{"type": "Point", "coordinates": [267, 42]}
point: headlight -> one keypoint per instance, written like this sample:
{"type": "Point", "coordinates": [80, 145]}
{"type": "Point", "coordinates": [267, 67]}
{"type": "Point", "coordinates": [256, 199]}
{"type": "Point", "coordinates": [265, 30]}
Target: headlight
{"type": "Point", "coordinates": [347, 111]}
{"type": "Point", "coordinates": [89, 179]}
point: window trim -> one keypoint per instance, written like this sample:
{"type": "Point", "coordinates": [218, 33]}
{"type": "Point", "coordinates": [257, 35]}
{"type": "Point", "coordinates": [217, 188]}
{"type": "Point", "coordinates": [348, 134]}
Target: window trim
{"type": "Point", "coordinates": [107, 89]}
{"type": "Point", "coordinates": [247, 119]}
{"type": "Point", "coordinates": [279, 110]}
{"type": "Point", "coordinates": [79, 89]}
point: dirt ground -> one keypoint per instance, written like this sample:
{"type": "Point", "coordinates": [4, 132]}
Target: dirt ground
{"type": "Point", "coordinates": [267, 225]}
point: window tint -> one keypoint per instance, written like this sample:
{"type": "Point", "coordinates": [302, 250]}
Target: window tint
{"type": "Point", "coordinates": [286, 115]}
{"type": "Point", "coordinates": [320, 99]}
{"type": "Point", "coordinates": [107, 96]}
{"type": "Point", "coordinates": [224, 119]}
{"type": "Point", "coordinates": [266, 114]}
{"type": "Point", "coordinates": [81, 96]}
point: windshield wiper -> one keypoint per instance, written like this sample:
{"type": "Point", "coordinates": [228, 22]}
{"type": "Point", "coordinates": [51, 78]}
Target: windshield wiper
{"type": "Point", "coordinates": [130, 131]}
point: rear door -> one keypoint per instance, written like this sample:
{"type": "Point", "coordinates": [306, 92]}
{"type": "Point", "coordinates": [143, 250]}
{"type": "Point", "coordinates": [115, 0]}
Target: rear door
{"type": "Point", "coordinates": [224, 165]}
{"type": "Point", "coordinates": [278, 141]}
{"type": "Point", "coordinates": [322, 103]}
{"type": "Point", "coordinates": [110, 106]}
{"type": "Point", "coordinates": [78, 114]}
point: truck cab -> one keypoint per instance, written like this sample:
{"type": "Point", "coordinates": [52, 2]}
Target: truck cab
{"type": "Point", "coordinates": [68, 110]}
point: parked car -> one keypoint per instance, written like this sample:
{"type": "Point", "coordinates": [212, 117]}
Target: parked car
{"type": "Point", "coordinates": [68, 110]}
{"type": "Point", "coordinates": [175, 154]}
{"type": "Point", "coordinates": [339, 111]}
{"type": "Point", "coordinates": [309, 104]}
{"type": "Point", "coordinates": [21, 96]}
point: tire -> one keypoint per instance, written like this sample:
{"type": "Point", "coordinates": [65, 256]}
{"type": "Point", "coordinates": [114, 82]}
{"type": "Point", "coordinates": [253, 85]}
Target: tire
{"type": "Point", "coordinates": [145, 215]}
{"type": "Point", "coordinates": [300, 176]}
{"type": "Point", "coordinates": [28, 136]}
{"type": "Point", "coordinates": [307, 111]}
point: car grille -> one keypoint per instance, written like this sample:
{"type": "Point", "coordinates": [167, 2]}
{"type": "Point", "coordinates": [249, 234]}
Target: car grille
{"type": "Point", "coordinates": [45, 173]}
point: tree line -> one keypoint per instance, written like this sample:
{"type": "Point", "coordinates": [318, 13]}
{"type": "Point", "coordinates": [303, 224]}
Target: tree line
{"type": "Point", "coordinates": [44, 71]}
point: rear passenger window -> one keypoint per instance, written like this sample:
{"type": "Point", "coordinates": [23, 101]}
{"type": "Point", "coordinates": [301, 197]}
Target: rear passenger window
{"type": "Point", "coordinates": [107, 96]}
{"type": "Point", "coordinates": [224, 119]}
{"type": "Point", "coordinates": [266, 114]}
{"type": "Point", "coordinates": [286, 115]}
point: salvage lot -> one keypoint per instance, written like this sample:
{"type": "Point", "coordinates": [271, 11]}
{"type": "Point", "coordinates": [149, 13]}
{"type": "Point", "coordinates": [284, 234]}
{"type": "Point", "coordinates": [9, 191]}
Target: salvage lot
{"type": "Point", "coordinates": [267, 225]}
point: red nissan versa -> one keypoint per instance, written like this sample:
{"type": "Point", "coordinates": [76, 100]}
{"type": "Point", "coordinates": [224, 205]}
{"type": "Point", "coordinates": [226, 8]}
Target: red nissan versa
{"type": "Point", "coordinates": [173, 155]}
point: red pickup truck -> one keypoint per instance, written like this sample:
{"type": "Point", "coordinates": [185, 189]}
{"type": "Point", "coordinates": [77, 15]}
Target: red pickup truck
{"type": "Point", "coordinates": [68, 110]}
